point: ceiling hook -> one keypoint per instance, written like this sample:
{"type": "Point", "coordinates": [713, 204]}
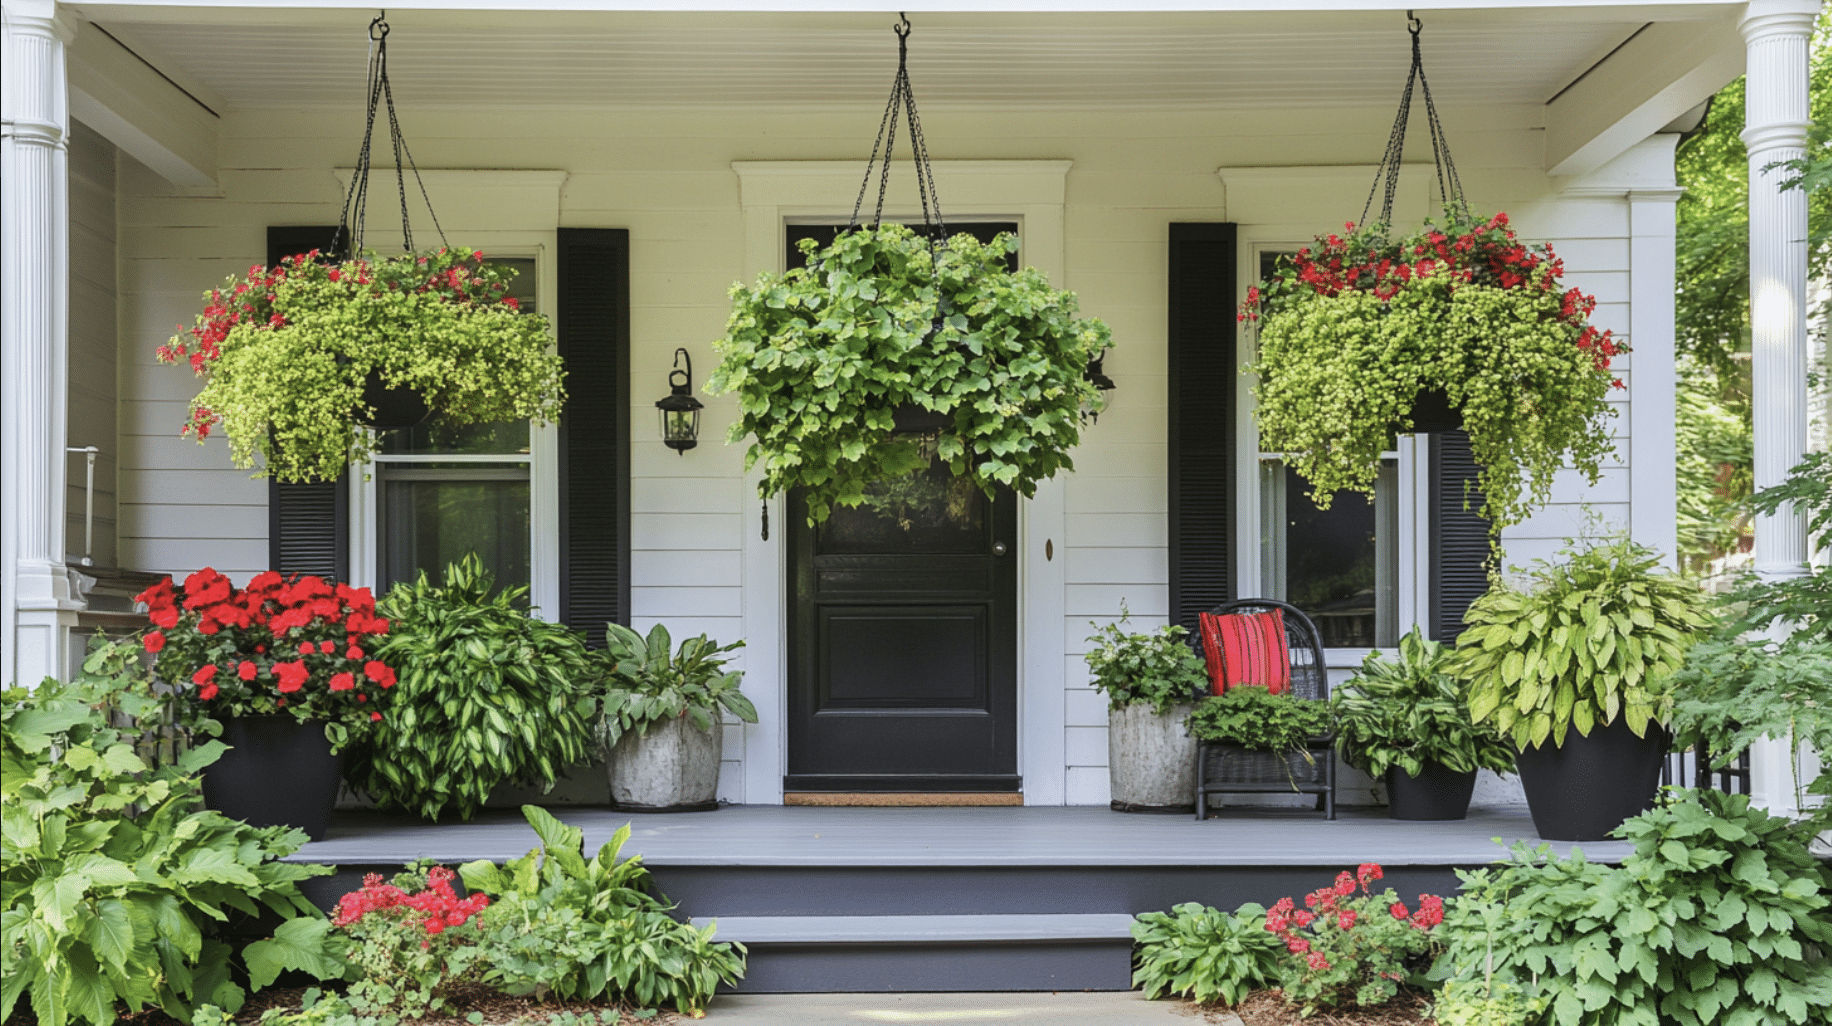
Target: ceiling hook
{"type": "Point", "coordinates": [902, 28]}
{"type": "Point", "coordinates": [1413, 25]}
{"type": "Point", "coordinates": [381, 20]}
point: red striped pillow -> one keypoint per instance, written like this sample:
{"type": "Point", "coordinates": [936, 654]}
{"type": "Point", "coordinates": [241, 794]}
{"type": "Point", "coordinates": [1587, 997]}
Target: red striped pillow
{"type": "Point", "coordinates": [1246, 648]}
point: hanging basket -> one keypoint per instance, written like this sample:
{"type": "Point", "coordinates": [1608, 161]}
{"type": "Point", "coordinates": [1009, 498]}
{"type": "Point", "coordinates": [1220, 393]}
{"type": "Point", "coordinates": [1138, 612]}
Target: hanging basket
{"type": "Point", "coordinates": [391, 409]}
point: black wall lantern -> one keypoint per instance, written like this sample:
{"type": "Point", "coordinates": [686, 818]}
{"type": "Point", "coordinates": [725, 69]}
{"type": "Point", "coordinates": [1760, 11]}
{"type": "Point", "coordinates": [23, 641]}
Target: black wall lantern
{"type": "Point", "coordinates": [680, 411]}
{"type": "Point", "coordinates": [1100, 380]}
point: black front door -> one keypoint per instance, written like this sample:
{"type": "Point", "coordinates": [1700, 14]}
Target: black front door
{"type": "Point", "coordinates": [903, 654]}
{"type": "Point", "coordinates": [903, 632]}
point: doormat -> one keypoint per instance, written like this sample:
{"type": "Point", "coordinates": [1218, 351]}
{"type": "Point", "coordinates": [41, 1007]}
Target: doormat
{"type": "Point", "coordinates": [903, 798]}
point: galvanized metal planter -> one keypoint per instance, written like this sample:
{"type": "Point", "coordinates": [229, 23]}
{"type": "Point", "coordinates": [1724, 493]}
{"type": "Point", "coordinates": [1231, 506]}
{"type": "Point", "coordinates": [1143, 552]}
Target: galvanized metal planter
{"type": "Point", "coordinates": [674, 767]}
{"type": "Point", "coordinates": [1151, 759]}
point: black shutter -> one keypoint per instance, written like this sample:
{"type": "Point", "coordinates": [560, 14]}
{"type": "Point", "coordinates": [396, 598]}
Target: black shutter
{"type": "Point", "coordinates": [308, 525]}
{"type": "Point", "coordinates": [593, 326]}
{"type": "Point", "coordinates": [1459, 535]}
{"type": "Point", "coordinates": [1202, 370]}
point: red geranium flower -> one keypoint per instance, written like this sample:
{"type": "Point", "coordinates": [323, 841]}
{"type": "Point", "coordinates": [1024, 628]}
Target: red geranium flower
{"type": "Point", "coordinates": [154, 641]}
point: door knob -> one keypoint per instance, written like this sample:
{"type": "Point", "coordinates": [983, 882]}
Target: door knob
{"type": "Point", "coordinates": [998, 548]}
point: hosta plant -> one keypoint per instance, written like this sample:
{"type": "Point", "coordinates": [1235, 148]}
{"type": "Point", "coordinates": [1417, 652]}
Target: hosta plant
{"type": "Point", "coordinates": [1157, 668]}
{"type": "Point", "coordinates": [820, 357]}
{"type": "Point", "coordinates": [286, 351]}
{"type": "Point", "coordinates": [116, 880]}
{"type": "Point", "coordinates": [1409, 710]}
{"type": "Point", "coordinates": [576, 929]}
{"type": "Point", "coordinates": [650, 683]}
{"type": "Point", "coordinates": [487, 694]}
{"type": "Point", "coordinates": [1352, 332]}
{"type": "Point", "coordinates": [1203, 954]}
{"type": "Point", "coordinates": [1590, 640]}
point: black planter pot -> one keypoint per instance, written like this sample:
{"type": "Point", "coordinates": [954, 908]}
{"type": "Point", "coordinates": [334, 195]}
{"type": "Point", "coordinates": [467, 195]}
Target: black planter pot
{"type": "Point", "coordinates": [1436, 793]}
{"type": "Point", "coordinates": [395, 408]}
{"type": "Point", "coordinates": [1586, 788]}
{"type": "Point", "coordinates": [1433, 414]}
{"type": "Point", "coordinates": [277, 772]}
{"type": "Point", "coordinates": [911, 419]}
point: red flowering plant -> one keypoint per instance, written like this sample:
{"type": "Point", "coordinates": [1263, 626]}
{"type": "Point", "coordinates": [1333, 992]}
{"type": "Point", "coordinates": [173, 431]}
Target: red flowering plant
{"type": "Point", "coordinates": [1352, 332]}
{"type": "Point", "coordinates": [286, 353]}
{"type": "Point", "coordinates": [415, 940]}
{"type": "Point", "coordinates": [1349, 945]}
{"type": "Point", "coordinates": [299, 645]}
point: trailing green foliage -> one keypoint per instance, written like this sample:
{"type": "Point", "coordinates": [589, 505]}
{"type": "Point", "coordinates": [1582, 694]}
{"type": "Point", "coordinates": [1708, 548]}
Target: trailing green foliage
{"type": "Point", "coordinates": [116, 881]}
{"type": "Point", "coordinates": [819, 357]}
{"type": "Point", "coordinates": [1203, 954]}
{"type": "Point", "coordinates": [649, 684]}
{"type": "Point", "coordinates": [1411, 710]}
{"type": "Point", "coordinates": [286, 352]}
{"type": "Point", "coordinates": [1157, 668]}
{"type": "Point", "coordinates": [1253, 717]}
{"type": "Point", "coordinates": [577, 930]}
{"type": "Point", "coordinates": [486, 694]}
{"type": "Point", "coordinates": [1719, 918]}
{"type": "Point", "coordinates": [1592, 639]}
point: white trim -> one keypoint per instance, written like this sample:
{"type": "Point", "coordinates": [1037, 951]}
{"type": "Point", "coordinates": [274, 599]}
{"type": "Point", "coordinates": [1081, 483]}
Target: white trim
{"type": "Point", "coordinates": [774, 193]}
{"type": "Point", "coordinates": [142, 10]}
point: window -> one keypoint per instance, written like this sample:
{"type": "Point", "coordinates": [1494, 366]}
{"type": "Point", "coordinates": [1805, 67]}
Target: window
{"type": "Point", "coordinates": [440, 491]}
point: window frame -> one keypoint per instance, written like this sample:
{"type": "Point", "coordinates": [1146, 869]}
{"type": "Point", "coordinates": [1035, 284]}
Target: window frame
{"type": "Point", "coordinates": [543, 459]}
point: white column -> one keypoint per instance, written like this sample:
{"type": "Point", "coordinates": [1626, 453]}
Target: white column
{"type": "Point", "coordinates": [1653, 455]}
{"type": "Point", "coordinates": [34, 303]}
{"type": "Point", "coordinates": [1776, 33]}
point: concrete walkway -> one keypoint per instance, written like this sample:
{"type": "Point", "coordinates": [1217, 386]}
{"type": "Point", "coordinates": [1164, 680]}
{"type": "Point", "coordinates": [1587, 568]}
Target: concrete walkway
{"type": "Point", "coordinates": [1124, 1008]}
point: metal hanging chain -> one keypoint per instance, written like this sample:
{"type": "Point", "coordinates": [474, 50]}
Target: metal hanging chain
{"type": "Point", "coordinates": [901, 106]}
{"type": "Point", "coordinates": [381, 94]}
{"type": "Point", "coordinates": [1450, 187]}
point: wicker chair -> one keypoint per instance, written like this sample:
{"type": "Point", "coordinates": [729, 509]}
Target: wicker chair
{"type": "Point", "coordinates": [1222, 768]}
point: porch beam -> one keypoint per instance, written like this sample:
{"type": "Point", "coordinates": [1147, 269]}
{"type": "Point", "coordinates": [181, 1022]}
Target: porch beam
{"type": "Point", "coordinates": [1665, 70]}
{"type": "Point", "coordinates": [115, 91]}
{"type": "Point", "coordinates": [35, 593]}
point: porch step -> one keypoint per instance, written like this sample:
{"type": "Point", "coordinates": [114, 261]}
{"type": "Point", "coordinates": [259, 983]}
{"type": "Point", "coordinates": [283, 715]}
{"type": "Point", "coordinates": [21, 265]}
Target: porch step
{"type": "Point", "coordinates": [859, 954]}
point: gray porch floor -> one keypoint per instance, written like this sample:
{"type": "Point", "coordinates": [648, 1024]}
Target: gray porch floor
{"type": "Point", "coordinates": [1073, 836]}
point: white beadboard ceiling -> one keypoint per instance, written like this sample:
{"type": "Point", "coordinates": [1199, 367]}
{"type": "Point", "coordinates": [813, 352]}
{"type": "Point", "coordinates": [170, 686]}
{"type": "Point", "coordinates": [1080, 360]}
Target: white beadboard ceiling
{"type": "Point", "coordinates": [1223, 60]}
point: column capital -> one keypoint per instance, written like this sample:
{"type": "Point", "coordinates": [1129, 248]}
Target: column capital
{"type": "Point", "coordinates": [1766, 19]}
{"type": "Point", "coordinates": [30, 13]}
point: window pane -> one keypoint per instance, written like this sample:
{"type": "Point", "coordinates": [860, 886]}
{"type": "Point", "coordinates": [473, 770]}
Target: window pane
{"type": "Point", "coordinates": [429, 519]}
{"type": "Point", "coordinates": [438, 436]}
{"type": "Point", "coordinates": [1333, 564]}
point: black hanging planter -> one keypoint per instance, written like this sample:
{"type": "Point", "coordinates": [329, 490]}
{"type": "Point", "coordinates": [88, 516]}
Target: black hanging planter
{"type": "Point", "coordinates": [911, 419]}
{"type": "Point", "coordinates": [278, 771]}
{"type": "Point", "coordinates": [1582, 790]}
{"type": "Point", "coordinates": [1433, 414]}
{"type": "Point", "coordinates": [395, 408]}
{"type": "Point", "coordinates": [1437, 793]}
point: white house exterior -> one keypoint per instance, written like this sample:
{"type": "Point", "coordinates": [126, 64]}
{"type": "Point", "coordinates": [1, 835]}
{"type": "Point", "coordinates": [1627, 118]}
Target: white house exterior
{"type": "Point", "coordinates": [151, 145]}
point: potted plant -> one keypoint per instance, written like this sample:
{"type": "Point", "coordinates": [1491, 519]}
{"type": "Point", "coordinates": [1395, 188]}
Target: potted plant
{"type": "Point", "coordinates": [488, 695]}
{"type": "Point", "coordinates": [1573, 670]}
{"type": "Point", "coordinates": [1406, 721]}
{"type": "Point", "coordinates": [661, 729]}
{"type": "Point", "coordinates": [1361, 337]}
{"type": "Point", "coordinates": [289, 668]}
{"type": "Point", "coordinates": [1248, 729]}
{"type": "Point", "coordinates": [989, 364]}
{"type": "Point", "coordinates": [295, 358]}
{"type": "Point", "coordinates": [1151, 682]}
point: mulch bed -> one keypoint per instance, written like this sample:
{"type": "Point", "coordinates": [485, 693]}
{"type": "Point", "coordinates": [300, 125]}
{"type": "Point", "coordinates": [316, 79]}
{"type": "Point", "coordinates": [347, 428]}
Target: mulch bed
{"type": "Point", "coordinates": [1268, 1008]}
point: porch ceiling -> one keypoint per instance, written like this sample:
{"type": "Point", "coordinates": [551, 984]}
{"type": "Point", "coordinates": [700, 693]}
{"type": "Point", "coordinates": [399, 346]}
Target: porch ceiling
{"type": "Point", "coordinates": [275, 57]}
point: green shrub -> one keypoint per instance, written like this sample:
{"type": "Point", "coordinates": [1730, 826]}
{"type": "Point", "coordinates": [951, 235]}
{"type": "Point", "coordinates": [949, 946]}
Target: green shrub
{"type": "Point", "coordinates": [116, 881]}
{"type": "Point", "coordinates": [1157, 668]}
{"type": "Point", "coordinates": [1203, 954]}
{"type": "Point", "coordinates": [1253, 717]}
{"type": "Point", "coordinates": [577, 930]}
{"type": "Point", "coordinates": [1344, 948]}
{"type": "Point", "coordinates": [413, 941]}
{"type": "Point", "coordinates": [1719, 918]}
{"type": "Point", "coordinates": [650, 684]}
{"type": "Point", "coordinates": [1405, 712]}
{"type": "Point", "coordinates": [487, 694]}
{"type": "Point", "coordinates": [1471, 1003]}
